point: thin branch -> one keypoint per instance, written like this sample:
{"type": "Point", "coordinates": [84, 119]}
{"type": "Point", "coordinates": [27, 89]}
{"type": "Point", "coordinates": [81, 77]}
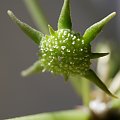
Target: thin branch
{"type": "Point", "coordinates": [36, 12]}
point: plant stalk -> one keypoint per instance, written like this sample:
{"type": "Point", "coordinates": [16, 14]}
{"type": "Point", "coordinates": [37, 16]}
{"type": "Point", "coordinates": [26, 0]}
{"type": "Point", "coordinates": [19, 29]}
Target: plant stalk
{"type": "Point", "coordinates": [85, 92]}
{"type": "Point", "coordinates": [77, 114]}
{"type": "Point", "coordinates": [36, 12]}
{"type": "Point", "coordinates": [82, 88]}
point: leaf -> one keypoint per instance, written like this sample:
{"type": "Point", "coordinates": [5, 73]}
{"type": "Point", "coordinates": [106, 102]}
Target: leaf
{"type": "Point", "coordinates": [90, 75]}
{"type": "Point", "coordinates": [35, 35]}
{"type": "Point", "coordinates": [93, 31]}
{"type": "Point", "coordinates": [98, 55]}
{"type": "Point", "coordinates": [64, 21]}
{"type": "Point", "coordinates": [35, 68]}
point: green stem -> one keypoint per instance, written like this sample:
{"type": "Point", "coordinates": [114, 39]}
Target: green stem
{"type": "Point", "coordinates": [85, 92]}
{"type": "Point", "coordinates": [37, 15]}
{"type": "Point", "coordinates": [76, 83]}
{"type": "Point", "coordinates": [82, 88]}
{"type": "Point", "coordinates": [77, 114]}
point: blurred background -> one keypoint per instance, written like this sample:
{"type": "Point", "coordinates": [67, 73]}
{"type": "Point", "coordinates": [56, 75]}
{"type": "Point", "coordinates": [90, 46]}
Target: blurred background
{"type": "Point", "coordinates": [44, 92]}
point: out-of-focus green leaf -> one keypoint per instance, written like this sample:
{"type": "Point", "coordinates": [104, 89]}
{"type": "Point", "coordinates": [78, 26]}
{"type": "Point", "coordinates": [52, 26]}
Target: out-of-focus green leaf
{"type": "Point", "coordinates": [62, 115]}
{"type": "Point", "coordinates": [37, 14]}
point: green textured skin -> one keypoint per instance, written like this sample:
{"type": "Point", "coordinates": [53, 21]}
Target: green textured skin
{"type": "Point", "coordinates": [65, 52]}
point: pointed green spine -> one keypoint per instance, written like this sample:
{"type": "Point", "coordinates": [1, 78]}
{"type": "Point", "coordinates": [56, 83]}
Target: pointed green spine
{"type": "Point", "coordinates": [98, 55]}
{"type": "Point", "coordinates": [64, 21]}
{"type": "Point", "coordinates": [90, 75]}
{"type": "Point", "coordinates": [93, 31]}
{"type": "Point", "coordinates": [51, 31]}
{"type": "Point", "coordinates": [35, 68]}
{"type": "Point", "coordinates": [35, 35]}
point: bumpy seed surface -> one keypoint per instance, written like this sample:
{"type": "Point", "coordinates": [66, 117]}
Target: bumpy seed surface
{"type": "Point", "coordinates": [65, 53]}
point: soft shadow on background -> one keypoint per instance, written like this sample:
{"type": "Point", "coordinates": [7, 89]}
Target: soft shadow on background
{"type": "Point", "coordinates": [44, 92]}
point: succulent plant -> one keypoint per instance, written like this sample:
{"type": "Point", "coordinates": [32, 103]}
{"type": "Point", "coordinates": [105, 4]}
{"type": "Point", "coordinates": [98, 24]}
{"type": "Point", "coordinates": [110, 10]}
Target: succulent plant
{"type": "Point", "coordinates": [64, 51]}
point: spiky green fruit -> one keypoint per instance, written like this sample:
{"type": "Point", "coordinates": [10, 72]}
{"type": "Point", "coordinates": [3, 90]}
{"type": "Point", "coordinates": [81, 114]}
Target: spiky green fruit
{"type": "Point", "coordinates": [65, 52]}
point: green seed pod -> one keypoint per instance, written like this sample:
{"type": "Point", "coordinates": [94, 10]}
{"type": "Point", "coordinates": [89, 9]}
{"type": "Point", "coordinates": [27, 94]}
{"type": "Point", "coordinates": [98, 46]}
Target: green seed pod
{"type": "Point", "coordinates": [64, 51]}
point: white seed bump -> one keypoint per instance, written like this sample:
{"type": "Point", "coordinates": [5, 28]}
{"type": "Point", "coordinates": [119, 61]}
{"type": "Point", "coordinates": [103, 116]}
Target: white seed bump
{"type": "Point", "coordinates": [81, 49]}
{"type": "Point", "coordinates": [51, 49]}
{"type": "Point", "coordinates": [68, 34]}
{"type": "Point", "coordinates": [68, 50]}
{"type": "Point", "coordinates": [63, 36]}
{"type": "Point", "coordinates": [63, 47]}
{"type": "Point", "coordinates": [73, 42]}
{"type": "Point", "coordinates": [82, 41]}
{"type": "Point", "coordinates": [65, 32]}
{"type": "Point", "coordinates": [66, 39]}
{"type": "Point", "coordinates": [71, 35]}
{"type": "Point", "coordinates": [49, 64]}
{"type": "Point", "coordinates": [53, 37]}
{"type": "Point", "coordinates": [43, 70]}
{"type": "Point", "coordinates": [74, 37]}
{"type": "Point", "coordinates": [44, 54]}
{"type": "Point", "coordinates": [52, 72]}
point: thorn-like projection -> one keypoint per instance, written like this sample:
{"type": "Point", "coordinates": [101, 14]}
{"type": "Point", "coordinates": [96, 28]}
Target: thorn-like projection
{"type": "Point", "coordinates": [90, 75]}
{"type": "Point", "coordinates": [98, 55]}
{"type": "Point", "coordinates": [64, 21]}
{"type": "Point", "coordinates": [52, 32]}
{"type": "Point", "coordinates": [35, 35]}
{"type": "Point", "coordinates": [35, 68]}
{"type": "Point", "coordinates": [93, 31]}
